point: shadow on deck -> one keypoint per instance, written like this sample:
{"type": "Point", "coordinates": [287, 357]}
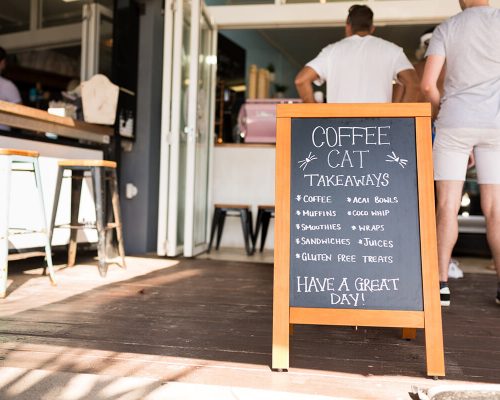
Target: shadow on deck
{"type": "Point", "coordinates": [210, 322]}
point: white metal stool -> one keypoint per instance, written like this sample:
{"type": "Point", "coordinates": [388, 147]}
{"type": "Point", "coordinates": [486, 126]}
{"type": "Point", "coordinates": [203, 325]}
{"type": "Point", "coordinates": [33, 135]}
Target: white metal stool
{"type": "Point", "coordinates": [10, 160]}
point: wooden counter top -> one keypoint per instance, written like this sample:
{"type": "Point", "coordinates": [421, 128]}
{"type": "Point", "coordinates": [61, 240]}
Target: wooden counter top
{"type": "Point", "coordinates": [19, 116]}
{"type": "Point", "coordinates": [245, 145]}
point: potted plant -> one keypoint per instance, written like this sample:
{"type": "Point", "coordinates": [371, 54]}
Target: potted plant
{"type": "Point", "coordinates": [271, 70]}
{"type": "Point", "coordinates": [279, 90]}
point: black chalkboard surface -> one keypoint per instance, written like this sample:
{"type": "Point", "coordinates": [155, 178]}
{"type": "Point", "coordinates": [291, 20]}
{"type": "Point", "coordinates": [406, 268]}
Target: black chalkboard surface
{"type": "Point", "coordinates": [355, 231]}
{"type": "Point", "coordinates": [354, 223]}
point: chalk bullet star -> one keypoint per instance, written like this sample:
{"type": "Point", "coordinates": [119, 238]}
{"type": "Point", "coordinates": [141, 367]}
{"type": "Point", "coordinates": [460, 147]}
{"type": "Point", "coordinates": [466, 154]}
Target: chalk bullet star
{"type": "Point", "coordinates": [360, 241]}
{"type": "Point", "coordinates": [353, 227]}
{"type": "Point", "coordinates": [297, 255]}
{"type": "Point", "coordinates": [298, 226]}
{"type": "Point", "coordinates": [297, 212]}
{"type": "Point", "coordinates": [349, 199]}
{"type": "Point", "coordinates": [299, 197]}
{"type": "Point", "coordinates": [349, 213]}
{"type": "Point", "coordinates": [297, 241]}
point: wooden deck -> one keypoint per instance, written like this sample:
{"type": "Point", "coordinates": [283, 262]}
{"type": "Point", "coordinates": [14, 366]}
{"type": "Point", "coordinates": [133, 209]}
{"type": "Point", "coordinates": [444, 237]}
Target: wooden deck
{"type": "Point", "coordinates": [206, 322]}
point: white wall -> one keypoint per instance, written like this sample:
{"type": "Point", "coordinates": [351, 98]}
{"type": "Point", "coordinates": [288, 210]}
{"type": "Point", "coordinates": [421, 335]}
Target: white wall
{"type": "Point", "coordinates": [259, 51]}
{"type": "Point", "coordinates": [244, 175]}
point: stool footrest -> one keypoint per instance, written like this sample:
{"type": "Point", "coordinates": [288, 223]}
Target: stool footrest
{"type": "Point", "coordinates": [111, 225]}
{"type": "Point", "coordinates": [23, 170]}
{"type": "Point", "coordinates": [79, 226]}
{"type": "Point", "coordinates": [23, 231]}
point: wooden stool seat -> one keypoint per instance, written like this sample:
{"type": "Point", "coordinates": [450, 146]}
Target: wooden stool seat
{"type": "Point", "coordinates": [16, 152]}
{"type": "Point", "coordinates": [9, 160]}
{"type": "Point", "coordinates": [232, 206]}
{"type": "Point", "coordinates": [87, 163]}
{"type": "Point", "coordinates": [105, 184]}
{"type": "Point", "coordinates": [264, 215]}
{"type": "Point", "coordinates": [244, 212]}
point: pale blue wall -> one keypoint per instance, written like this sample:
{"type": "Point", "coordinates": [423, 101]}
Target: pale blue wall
{"type": "Point", "coordinates": [259, 51]}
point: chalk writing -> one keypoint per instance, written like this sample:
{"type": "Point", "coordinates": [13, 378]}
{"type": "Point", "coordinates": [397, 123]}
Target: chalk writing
{"type": "Point", "coordinates": [355, 240]}
{"type": "Point", "coordinates": [346, 290]}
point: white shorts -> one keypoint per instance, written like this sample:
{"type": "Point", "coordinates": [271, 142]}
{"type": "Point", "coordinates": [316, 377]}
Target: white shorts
{"type": "Point", "coordinates": [451, 150]}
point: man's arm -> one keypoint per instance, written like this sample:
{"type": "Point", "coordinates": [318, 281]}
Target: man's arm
{"type": "Point", "coordinates": [398, 92]}
{"type": "Point", "coordinates": [432, 70]}
{"type": "Point", "coordinates": [303, 83]}
{"type": "Point", "coordinates": [409, 79]}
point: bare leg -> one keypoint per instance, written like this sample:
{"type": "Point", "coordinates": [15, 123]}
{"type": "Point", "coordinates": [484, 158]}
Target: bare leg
{"type": "Point", "coordinates": [490, 204]}
{"type": "Point", "coordinates": [449, 194]}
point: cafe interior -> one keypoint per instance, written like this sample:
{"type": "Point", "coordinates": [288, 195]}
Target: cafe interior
{"type": "Point", "coordinates": [189, 143]}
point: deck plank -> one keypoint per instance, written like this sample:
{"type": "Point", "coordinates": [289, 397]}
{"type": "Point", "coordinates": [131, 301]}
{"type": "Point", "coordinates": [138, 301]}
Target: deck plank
{"type": "Point", "coordinates": [213, 318]}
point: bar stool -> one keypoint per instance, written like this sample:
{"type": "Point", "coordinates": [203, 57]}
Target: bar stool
{"type": "Point", "coordinates": [237, 210]}
{"type": "Point", "coordinates": [10, 161]}
{"type": "Point", "coordinates": [264, 215]}
{"type": "Point", "coordinates": [101, 172]}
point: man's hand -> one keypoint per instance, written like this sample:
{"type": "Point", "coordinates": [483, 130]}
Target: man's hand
{"type": "Point", "coordinates": [409, 79]}
{"type": "Point", "coordinates": [472, 160]}
{"type": "Point", "coordinates": [303, 83]}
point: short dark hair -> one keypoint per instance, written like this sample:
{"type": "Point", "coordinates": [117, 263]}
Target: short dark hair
{"type": "Point", "coordinates": [3, 54]}
{"type": "Point", "coordinates": [360, 18]}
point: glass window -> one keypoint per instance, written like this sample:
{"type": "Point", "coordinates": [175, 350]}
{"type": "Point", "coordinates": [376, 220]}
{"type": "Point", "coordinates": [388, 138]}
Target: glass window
{"type": "Point", "coordinates": [14, 16]}
{"type": "Point", "coordinates": [58, 12]}
{"type": "Point", "coordinates": [106, 3]}
{"type": "Point", "coordinates": [105, 46]}
{"type": "Point", "coordinates": [61, 12]}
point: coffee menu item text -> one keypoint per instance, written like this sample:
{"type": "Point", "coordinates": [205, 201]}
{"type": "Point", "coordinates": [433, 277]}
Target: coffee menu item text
{"type": "Point", "coordinates": [354, 227]}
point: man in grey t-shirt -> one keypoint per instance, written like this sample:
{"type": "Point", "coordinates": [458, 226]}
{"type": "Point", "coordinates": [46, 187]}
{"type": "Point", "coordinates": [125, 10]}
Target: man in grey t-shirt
{"type": "Point", "coordinates": [468, 122]}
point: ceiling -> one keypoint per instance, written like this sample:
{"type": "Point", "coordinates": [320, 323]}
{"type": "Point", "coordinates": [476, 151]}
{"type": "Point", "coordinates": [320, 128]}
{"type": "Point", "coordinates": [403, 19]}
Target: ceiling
{"type": "Point", "coordinates": [298, 45]}
{"type": "Point", "coordinates": [15, 14]}
{"type": "Point", "coordinates": [301, 45]}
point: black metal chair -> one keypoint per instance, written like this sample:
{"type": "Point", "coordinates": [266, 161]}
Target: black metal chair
{"type": "Point", "coordinates": [238, 210]}
{"type": "Point", "coordinates": [264, 215]}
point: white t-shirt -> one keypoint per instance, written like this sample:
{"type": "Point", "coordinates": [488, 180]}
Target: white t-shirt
{"type": "Point", "coordinates": [359, 69]}
{"type": "Point", "coordinates": [470, 41]}
{"type": "Point", "coordinates": [8, 92]}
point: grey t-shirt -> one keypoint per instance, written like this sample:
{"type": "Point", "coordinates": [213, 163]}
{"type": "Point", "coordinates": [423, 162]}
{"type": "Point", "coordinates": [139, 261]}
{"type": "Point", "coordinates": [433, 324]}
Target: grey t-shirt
{"type": "Point", "coordinates": [470, 41]}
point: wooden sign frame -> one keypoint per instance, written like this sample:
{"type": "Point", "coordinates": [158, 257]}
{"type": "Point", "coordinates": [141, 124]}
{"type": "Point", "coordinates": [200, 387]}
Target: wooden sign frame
{"type": "Point", "coordinates": [284, 316]}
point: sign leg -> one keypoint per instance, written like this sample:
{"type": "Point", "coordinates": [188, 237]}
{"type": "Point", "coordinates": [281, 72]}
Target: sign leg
{"type": "Point", "coordinates": [409, 333]}
{"type": "Point", "coordinates": [434, 350]}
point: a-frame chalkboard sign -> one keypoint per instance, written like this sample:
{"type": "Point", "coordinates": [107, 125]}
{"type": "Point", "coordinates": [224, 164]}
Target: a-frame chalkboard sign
{"type": "Point", "coordinates": [355, 235]}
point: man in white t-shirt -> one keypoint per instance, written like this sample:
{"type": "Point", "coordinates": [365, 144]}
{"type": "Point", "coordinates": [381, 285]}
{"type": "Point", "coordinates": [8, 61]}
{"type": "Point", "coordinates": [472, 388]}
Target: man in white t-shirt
{"type": "Point", "coordinates": [360, 68]}
{"type": "Point", "coordinates": [8, 91]}
{"type": "Point", "coordinates": [468, 121]}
